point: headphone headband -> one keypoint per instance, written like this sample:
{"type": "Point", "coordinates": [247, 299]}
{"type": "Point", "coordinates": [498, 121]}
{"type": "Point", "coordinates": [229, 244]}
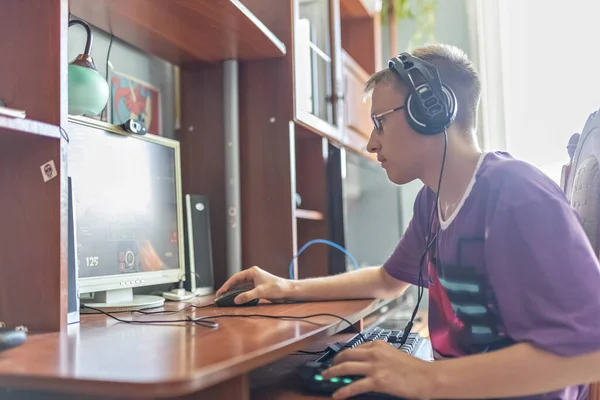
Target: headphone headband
{"type": "Point", "coordinates": [431, 105]}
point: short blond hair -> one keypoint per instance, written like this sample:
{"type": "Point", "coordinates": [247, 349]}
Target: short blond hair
{"type": "Point", "coordinates": [456, 71]}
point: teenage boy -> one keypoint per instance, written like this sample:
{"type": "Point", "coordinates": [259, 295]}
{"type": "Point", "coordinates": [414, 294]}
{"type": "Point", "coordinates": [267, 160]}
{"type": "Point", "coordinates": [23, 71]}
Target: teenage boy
{"type": "Point", "coordinates": [514, 286]}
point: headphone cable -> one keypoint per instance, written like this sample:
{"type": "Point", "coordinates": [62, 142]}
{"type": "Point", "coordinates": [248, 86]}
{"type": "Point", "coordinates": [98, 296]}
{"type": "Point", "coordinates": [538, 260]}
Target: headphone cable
{"type": "Point", "coordinates": [428, 244]}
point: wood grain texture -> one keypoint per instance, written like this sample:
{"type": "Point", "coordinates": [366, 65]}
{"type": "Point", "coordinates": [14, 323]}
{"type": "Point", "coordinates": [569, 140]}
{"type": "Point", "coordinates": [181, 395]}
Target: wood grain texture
{"type": "Point", "coordinates": [202, 138]}
{"type": "Point", "coordinates": [311, 176]}
{"type": "Point", "coordinates": [266, 151]}
{"type": "Point", "coordinates": [361, 39]}
{"type": "Point", "coordinates": [103, 357]}
{"type": "Point", "coordinates": [355, 9]}
{"type": "Point", "coordinates": [33, 66]}
{"type": "Point", "coordinates": [184, 31]}
{"type": "Point", "coordinates": [33, 261]}
{"type": "Point", "coordinates": [356, 108]}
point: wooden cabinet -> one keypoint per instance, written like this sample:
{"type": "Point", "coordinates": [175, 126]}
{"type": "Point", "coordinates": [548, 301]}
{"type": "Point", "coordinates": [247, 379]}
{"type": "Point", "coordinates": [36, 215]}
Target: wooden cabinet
{"type": "Point", "coordinates": [317, 68]}
{"type": "Point", "coordinates": [299, 97]}
{"type": "Point", "coordinates": [336, 48]}
{"type": "Point", "coordinates": [357, 108]}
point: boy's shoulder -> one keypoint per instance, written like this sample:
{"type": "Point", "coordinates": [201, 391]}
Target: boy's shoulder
{"type": "Point", "coordinates": [503, 179]}
{"type": "Point", "coordinates": [514, 182]}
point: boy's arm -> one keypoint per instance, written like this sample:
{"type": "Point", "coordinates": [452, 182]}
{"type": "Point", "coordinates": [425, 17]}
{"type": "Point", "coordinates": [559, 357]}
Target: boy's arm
{"type": "Point", "coordinates": [519, 370]}
{"type": "Point", "coordinates": [364, 283]}
{"type": "Point", "coordinates": [516, 371]}
{"type": "Point", "coordinates": [389, 281]}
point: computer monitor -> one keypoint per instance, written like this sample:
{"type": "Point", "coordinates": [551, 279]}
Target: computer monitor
{"type": "Point", "coordinates": [127, 198]}
{"type": "Point", "coordinates": [372, 210]}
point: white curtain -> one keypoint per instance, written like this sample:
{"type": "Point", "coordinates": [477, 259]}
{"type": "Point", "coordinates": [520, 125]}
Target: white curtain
{"type": "Point", "coordinates": [540, 62]}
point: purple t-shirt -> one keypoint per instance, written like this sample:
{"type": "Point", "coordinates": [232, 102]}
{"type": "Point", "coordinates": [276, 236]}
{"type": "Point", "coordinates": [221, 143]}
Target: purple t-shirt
{"type": "Point", "coordinates": [511, 264]}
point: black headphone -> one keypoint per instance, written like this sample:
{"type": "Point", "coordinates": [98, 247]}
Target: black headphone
{"type": "Point", "coordinates": [431, 105]}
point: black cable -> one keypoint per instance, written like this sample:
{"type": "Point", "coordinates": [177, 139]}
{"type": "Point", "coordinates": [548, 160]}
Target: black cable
{"type": "Point", "coordinates": [108, 55]}
{"type": "Point", "coordinates": [88, 31]}
{"type": "Point", "coordinates": [110, 43]}
{"type": "Point", "coordinates": [205, 320]}
{"type": "Point", "coordinates": [156, 312]}
{"type": "Point", "coordinates": [208, 317]}
{"type": "Point", "coordinates": [309, 353]}
{"type": "Point", "coordinates": [64, 133]}
{"type": "Point", "coordinates": [434, 212]}
{"type": "Point", "coordinates": [164, 311]}
{"type": "Point", "coordinates": [208, 324]}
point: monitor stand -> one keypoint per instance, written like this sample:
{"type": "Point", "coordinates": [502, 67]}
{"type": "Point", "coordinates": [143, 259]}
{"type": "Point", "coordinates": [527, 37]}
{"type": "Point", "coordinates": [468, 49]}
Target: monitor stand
{"type": "Point", "coordinates": [121, 300]}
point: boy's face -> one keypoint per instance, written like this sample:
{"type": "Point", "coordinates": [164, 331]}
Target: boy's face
{"type": "Point", "coordinates": [398, 147]}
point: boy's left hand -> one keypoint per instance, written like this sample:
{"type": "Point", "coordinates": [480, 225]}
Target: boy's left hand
{"type": "Point", "coordinates": [385, 370]}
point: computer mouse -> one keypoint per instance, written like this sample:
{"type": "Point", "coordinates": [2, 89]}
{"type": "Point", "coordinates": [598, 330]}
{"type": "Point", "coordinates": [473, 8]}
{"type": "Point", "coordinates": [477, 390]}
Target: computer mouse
{"type": "Point", "coordinates": [227, 299]}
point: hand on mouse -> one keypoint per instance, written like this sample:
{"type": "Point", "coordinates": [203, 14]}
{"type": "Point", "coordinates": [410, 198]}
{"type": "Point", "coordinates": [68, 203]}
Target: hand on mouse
{"type": "Point", "coordinates": [265, 286]}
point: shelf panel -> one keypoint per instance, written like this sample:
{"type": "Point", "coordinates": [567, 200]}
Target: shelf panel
{"type": "Point", "coordinates": [28, 126]}
{"type": "Point", "coordinates": [184, 31]}
{"type": "Point", "coordinates": [309, 214]}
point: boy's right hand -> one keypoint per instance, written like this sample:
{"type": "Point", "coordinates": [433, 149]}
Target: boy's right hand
{"type": "Point", "coordinates": [264, 286]}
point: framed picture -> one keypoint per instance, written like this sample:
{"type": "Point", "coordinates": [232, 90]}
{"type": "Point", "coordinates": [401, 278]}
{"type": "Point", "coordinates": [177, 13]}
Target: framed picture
{"type": "Point", "coordinates": [134, 99]}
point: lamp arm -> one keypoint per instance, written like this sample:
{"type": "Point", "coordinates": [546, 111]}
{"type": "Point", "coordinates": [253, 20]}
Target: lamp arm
{"type": "Point", "coordinates": [88, 42]}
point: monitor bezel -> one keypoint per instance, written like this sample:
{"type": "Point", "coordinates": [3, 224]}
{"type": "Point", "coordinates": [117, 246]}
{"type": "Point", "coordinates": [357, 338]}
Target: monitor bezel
{"type": "Point", "coordinates": [140, 279]}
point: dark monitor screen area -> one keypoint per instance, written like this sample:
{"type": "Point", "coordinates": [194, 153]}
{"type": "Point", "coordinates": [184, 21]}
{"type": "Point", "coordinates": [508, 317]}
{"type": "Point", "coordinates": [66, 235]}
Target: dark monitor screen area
{"type": "Point", "coordinates": [372, 211]}
{"type": "Point", "coordinates": [127, 213]}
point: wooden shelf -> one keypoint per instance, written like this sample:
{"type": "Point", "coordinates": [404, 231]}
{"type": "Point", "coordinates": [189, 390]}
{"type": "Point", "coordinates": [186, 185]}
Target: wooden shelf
{"type": "Point", "coordinates": [309, 214]}
{"type": "Point", "coordinates": [359, 8]}
{"type": "Point", "coordinates": [184, 32]}
{"type": "Point", "coordinates": [28, 126]}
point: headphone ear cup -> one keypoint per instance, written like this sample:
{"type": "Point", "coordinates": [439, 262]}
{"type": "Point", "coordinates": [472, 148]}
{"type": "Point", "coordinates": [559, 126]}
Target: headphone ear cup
{"type": "Point", "coordinates": [452, 103]}
{"type": "Point", "coordinates": [414, 116]}
{"type": "Point", "coordinates": [422, 121]}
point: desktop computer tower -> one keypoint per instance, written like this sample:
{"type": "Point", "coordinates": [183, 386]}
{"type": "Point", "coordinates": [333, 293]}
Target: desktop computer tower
{"type": "Point", "coordinates": [199, 272]}
{"type": "Point", "coordinates": [73, 295]}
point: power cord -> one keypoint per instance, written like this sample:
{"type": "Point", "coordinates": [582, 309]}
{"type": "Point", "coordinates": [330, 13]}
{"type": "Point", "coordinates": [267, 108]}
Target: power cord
{"type": "Point", "coordinates": [324, 241]}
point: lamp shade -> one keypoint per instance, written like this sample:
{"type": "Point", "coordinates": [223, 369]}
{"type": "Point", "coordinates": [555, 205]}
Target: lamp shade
{"type": "Point", "coordinates": [88, 90]}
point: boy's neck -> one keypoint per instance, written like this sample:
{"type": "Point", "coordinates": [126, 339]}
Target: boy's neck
{"type": "Point", "coordinates": [462, 158]}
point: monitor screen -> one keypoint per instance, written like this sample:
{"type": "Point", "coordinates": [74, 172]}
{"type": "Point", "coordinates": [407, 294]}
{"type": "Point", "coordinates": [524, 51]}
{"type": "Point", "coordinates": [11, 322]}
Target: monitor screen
{"type": "Point", "coordinates": [127, 206]}
{"type": "Point", "coordinates": [372, 211]}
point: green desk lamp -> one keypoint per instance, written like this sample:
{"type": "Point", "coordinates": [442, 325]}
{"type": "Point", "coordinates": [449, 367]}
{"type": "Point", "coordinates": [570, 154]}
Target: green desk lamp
{"type": "Point", "coordinates": [88, 90]}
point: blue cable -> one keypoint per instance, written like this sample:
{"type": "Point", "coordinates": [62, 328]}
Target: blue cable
{"type": "Point", "coordinates": [332, 244]}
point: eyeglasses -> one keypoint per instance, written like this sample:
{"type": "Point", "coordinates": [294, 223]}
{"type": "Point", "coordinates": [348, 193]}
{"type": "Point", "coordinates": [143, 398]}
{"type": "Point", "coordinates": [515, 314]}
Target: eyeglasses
{"type": "Point", "coordinates": [378, 118]}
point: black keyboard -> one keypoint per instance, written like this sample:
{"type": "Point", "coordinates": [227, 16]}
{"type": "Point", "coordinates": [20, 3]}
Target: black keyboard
{"type": "Point", "coordinates": [310, 372]}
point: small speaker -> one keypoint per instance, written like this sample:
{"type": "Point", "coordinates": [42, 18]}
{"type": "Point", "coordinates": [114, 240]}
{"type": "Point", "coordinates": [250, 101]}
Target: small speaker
{"type": "Point", "coordinates": [73, 294]}
{"type": "Point", "coordinates": [200, 276]}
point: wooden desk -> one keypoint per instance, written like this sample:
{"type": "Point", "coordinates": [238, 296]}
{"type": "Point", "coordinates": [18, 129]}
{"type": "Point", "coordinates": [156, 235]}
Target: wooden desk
{"type": "Point", "coordinates": [105, 358]}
